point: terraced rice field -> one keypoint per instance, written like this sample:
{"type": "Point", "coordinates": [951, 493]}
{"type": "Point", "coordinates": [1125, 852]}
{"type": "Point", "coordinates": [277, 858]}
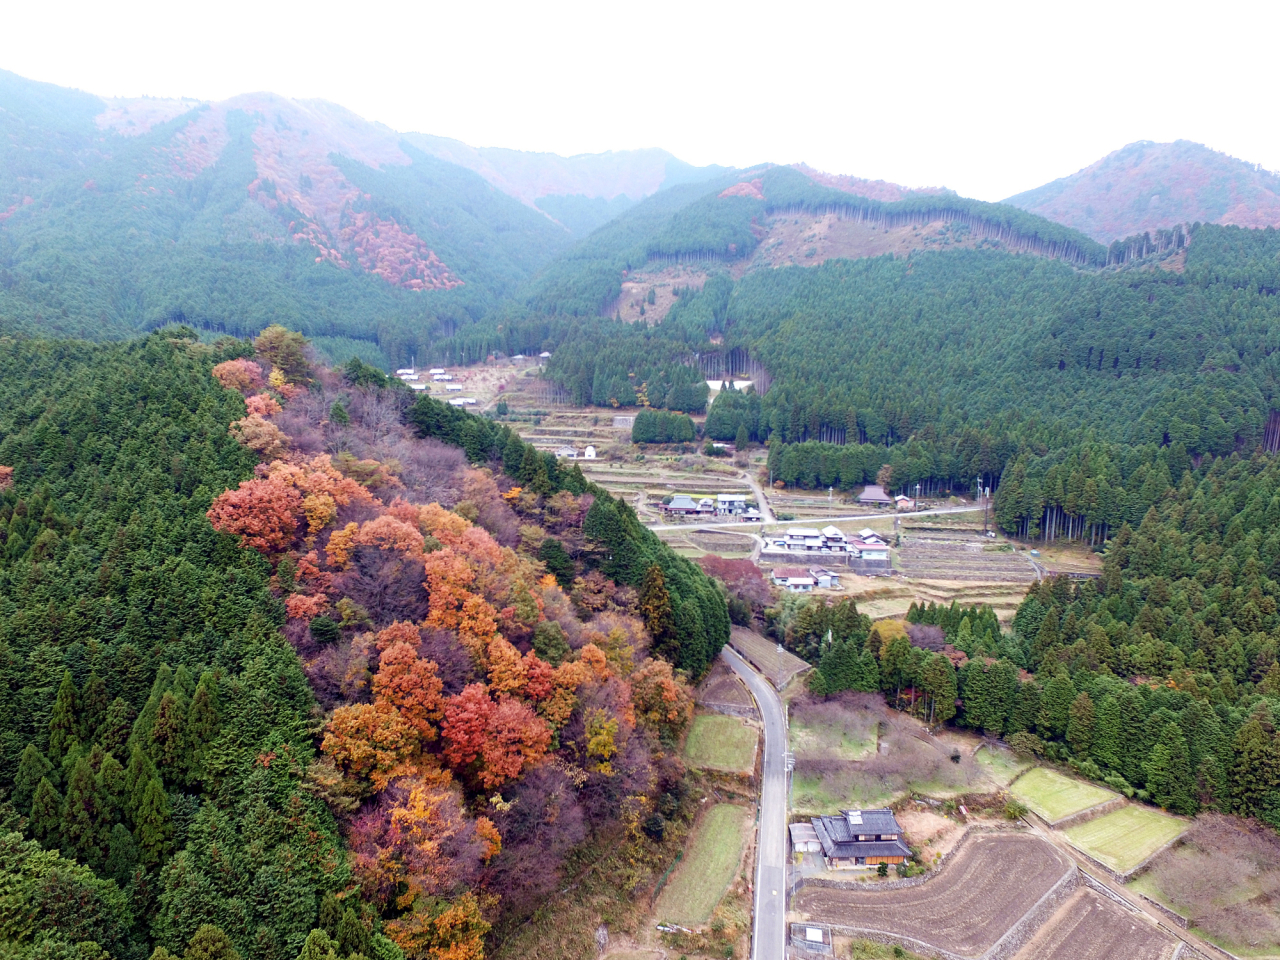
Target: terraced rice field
{"type": "Point", "coordinates": [999, 764]}
{"type": "Point", "coordinates": [709, 863]}
{"type": "Point", "coordinates": [962, 555]}
{"type": "Point", "coordinates": [965, 909]}
{"type": "Point", "coordinates": [1090, 927]}
{"type": "Point", "coordinates": [763, 654]}
{"type": "Point", "coordinates": [1053, 796]}
{"type": "Point", "coordinates": [722, 743]}
{"type": "Point", "coordinates": [1126, 837]}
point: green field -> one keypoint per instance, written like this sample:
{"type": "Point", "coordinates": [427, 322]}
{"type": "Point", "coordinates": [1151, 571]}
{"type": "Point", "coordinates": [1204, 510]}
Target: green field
{"type": "Point", "coordinates": [1000, 765]}
{"type": "Point", "coordinates": [1124, 838]}
{"type": "Point", "coordinates": [1054, 796]}
{"type": "Point", "coordinates": [710, 861]}
{"type": "Point", "coordinates": [721, 743]}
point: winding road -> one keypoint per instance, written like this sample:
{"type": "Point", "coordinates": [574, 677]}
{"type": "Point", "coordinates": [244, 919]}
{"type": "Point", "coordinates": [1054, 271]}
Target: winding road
{"type": "Point", "coordinates": [769, 921]}
{"type": "Point", "coordinates": [809, 521]}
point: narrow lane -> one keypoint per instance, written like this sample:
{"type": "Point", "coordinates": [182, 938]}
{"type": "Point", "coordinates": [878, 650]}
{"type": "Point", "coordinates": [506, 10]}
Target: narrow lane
{"type": "Point", "coordinates": [769, 921]}
{"type": "Point", "coordinates": [810, 521]}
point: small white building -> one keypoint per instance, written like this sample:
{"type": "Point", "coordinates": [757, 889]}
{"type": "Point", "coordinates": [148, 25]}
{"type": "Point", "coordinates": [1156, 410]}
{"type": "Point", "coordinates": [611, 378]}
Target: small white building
{"type": "Point", "coordinates": [415, 385]}
{"type": "Point", "coordinates": [871, 551]}
{"type": "Point", "coordinates": [435, 370]}
{"type": "Point", "coordinates": [440, 377]}
{"type": "Point", "coordinates": [804, 839]}
{"type": "Point", "coordinates": [589, 453]}
{"type": "Point", "coordinates": [405, 372]}
{"type": "Point", "coordinates": [826, 579]}
{"type": "Point", "coordinates": [794, 579]}
{"type": "Point", "coordinates": [567, 453]}
{"type": "Point", "coordinates": [451, 387]}
{"type": "Point", "coordinates": [544, 355]}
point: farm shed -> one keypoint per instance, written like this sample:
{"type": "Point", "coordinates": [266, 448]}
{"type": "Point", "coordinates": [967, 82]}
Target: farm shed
{"type": "Point", "coordinates": [804, 839]}
{"type": "Point", "coordinates": [861, 838]}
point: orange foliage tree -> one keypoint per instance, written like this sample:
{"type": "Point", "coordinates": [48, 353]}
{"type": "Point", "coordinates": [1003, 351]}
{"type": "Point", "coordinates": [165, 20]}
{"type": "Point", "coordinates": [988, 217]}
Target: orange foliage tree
{"type": "Point", "coordinates": [261, 436]}
{"type": "Point", "coordinates": [240, 374]}
{"type": "Point", "coordinates": [411, 685]}
{"type": "Point", "coordinates": [262, 513]}
{"type": "Point", "coordinates": [371, 741]}
{"type": "Point", "coordinates": [662, 703]}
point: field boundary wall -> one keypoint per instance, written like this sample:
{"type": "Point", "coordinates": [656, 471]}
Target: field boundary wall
{"type": "Point", "coordinates": [1092, 813]}
{"type": "Point", "coordinates": [731, 709]}
{"type": "Point", "coordinates": [1175, 918]}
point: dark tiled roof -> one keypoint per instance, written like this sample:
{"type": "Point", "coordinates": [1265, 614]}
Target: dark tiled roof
{"type": "Point", "coordinates": [839, 838]}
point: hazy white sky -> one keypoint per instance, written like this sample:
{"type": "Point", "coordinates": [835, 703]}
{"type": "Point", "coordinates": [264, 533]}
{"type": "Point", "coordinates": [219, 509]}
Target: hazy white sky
{"type": "Point", "coordinates": [986, 98]}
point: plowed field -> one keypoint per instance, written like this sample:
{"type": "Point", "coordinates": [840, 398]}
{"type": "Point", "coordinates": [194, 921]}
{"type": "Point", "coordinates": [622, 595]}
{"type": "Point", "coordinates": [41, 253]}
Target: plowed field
{"type": "Point", "coordinates": [970, 905]}
{"type": "Point", "coordinates": [1090, 927]}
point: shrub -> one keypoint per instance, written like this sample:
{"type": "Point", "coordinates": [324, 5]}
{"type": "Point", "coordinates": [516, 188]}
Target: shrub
{"type": "Point", "coordinates": [882, 870]}
{"type": "Point", "coordinates": [1015, 810]}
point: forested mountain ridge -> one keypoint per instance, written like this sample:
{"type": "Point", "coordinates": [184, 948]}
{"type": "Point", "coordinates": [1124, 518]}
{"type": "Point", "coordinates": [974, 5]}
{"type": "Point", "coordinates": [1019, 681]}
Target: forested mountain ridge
{"type": "Point", "coordinates": [1148, 186]}
{"type": "Point", "coordinates": [126, 215]}
{"type": "Point", "coordinates": [265, 701]}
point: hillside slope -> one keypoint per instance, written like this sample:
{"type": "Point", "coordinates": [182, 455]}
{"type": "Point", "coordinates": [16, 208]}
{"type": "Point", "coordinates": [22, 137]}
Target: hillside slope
{"type": "Point", "coordinates": [121, 215]}
{"type": "Point", "coordinates": [1148, 186]}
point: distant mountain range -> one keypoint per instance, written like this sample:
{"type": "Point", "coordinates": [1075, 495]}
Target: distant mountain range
{"type": "Point", "coordinates": [1148, 186]}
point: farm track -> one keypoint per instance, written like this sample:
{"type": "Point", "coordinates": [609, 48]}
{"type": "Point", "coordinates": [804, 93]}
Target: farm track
{"type": "Point", "coordinates": [965, 910]}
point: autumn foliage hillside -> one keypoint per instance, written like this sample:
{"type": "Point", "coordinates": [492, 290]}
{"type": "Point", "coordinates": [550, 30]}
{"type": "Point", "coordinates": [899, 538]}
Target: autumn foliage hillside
{"type": "Point", "coordinates": [492, 699]}
{"type": "Point", "coordinates": [1146, 186]}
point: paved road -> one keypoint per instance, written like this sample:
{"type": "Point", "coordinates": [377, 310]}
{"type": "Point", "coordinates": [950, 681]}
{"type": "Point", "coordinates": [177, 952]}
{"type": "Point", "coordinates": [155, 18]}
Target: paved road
{"type": "Point", "coordinates": [769, 923]}
{"type": "Point", "coordinates": [810, 521]}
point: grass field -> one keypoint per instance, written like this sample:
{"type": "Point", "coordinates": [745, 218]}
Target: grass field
{"type": "Point", "coordinates": [1054, 796]}
{"type": "Point", "coordinates": [1124, 838]}
{"type": "Point", "coordinates": [708, 867]}
{"type": "Point", "coordinates": [721, 743]}
{"type": "Point", "coordinates": [1000, 765]}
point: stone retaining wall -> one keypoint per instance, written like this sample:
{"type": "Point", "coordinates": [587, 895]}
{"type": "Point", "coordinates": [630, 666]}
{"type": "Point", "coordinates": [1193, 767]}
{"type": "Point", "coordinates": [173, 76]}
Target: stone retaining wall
{"type": "Point", "coordinates": [1022, 931]}
{"type": "Point", "coordinates": [1084, 816]}
{"type": "Point", "coordinates": [1176, 919]}
{"type": "Point", "coordinates": [738, 710]}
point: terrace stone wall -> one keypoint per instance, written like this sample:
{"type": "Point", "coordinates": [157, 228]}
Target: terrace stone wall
{"type": "Point", "coordinates": [1084, 816]}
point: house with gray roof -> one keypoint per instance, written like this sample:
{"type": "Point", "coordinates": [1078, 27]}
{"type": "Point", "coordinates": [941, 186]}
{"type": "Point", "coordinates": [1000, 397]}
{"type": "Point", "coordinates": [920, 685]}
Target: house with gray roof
{"type": "Point", "coordinates": [861, 838]}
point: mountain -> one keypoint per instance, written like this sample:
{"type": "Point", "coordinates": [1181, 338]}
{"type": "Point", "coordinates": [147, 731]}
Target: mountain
{"type": "Point", "coordinates": [121, 215]}
{"type": "Point", "coordinates": [585, 190]}
{"type": "Point", "coordinates": [1149, 186]}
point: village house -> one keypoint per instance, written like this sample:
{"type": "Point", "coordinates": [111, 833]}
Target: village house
{"type": "Point", "coordinates": [794, 579]}
{"type": "Point", "coordinates": [904, 502]}
{"type": "Point", "coordinates": [878, 552]}
{"type": "Point", "coordinates": [567, 453]}
{"type": "Point", "coordinates": [681, 504]}
{"type": "Point", "coordinates": [826, 579]}
{"type": "Point", "coordinates": [731, 504]}
{"type": "Point", "coordinates": [874, 494]}
{"type": "Point", "coordinates": [860, 838]}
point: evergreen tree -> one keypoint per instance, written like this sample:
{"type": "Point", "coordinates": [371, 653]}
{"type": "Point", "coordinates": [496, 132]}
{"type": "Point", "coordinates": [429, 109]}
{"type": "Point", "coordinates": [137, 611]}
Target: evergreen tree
{"type": "Point", "coordinates": [152, 825]}
{"type": "Point", "coordinates": [330, 914]}
{"type": "Point", "coordinates": [169, 744]}
{"type": "Point", "coordinates": [202, 725]}
{"type": "Point", "coordinates": [1169, 772]}
{"type": "Point", "coordinates": [46, 815]}
{"type": "Point", "coordinates": [557, 561]}
{"type": "Point", "coordinates": [1257, 768]}
{"type": "Point", "coordinates": [319, 946]}
{"type": "Point", "coordinates": [1026, 708]}
{"type": "Point", "coordinates": [122, 855]}
{"type": "Point", "coordinates": [32, 768]}
{"type": "Point", "coordinates": [94, 704]}
{"type": "Point", "coordinates": [940, 682]}
{"type": "Point", "coordinates": [655, 610]}
{"type": "Point", "coordinates": [138, 776]}
{"type": "Point", "coordinates": [353, 937]}
{"type": "Point", "coordinates": [116, 727]}
{"type": "Point", "coordinates": [210, 943]}
{"type": "Point", "coordinates": [83, 826]}
{"type": "Point", "coordinates": [1106, 748]}
{"type": "Point", "coordinates": [64, 724]}
{"type": "Point", "coordinates": [1080, 724]}
{"type": "Point", "coordinates": [742, 439]}
{"type": "Point", "coordinates": [1055, 705]}
{"type": "Point", "coordinates": [113, 794]}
